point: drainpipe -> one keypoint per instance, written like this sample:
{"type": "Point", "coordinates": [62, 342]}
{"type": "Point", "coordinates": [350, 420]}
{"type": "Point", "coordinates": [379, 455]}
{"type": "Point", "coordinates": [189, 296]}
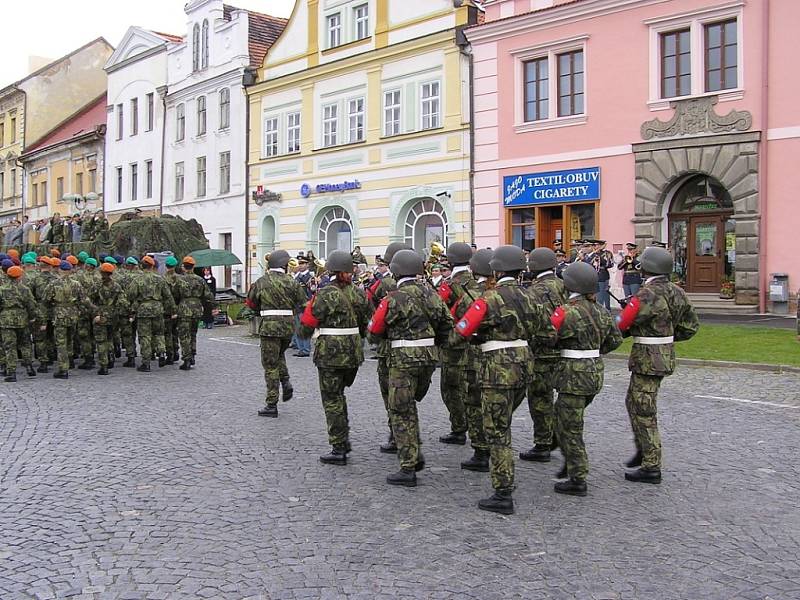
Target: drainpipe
{"type": "Point", "coordinates": [466, 50]}
{"type": "Point", "coordinates": [764, 164]}
{"type": "Point", "coordinates": [162, 91]}
{"type": "Point", "coordinates": [248, 79]}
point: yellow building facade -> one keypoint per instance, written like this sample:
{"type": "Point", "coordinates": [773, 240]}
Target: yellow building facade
{"type": "Point", "coordinates": [12, 119]}
{"type": "Point", "coordinates": [359, 126]}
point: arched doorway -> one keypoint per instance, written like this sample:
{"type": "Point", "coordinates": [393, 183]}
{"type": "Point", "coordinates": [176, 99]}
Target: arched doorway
{"type": "Point", "coordinates": [335, 231]}
{"type": "Point", "coordinates": [702, 233]}
{"type": "Point", "coordinates": [426, 222]}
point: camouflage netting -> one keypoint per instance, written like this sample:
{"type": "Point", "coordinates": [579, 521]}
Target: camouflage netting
{"type": "Point", "coordinates": [139, 236]}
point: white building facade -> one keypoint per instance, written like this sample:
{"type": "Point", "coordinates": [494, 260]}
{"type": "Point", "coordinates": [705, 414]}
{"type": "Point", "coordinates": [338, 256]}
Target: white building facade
{"type": "Point", "coordinates": [206, 123]}
{"type": "Point", "coordinates": [137, 85]}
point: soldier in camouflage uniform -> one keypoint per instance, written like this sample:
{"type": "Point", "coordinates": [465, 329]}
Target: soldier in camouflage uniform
{"type": "Point", "coordinates": [68, 302]}
{"type": "Point", "coordinates": [148, 296]}
{"type": "Point", "coordinates": [276, 297]}
{"type": "Point", "coordinates": [414, 321]}
{"type": "Point", "coordinates": [454, 385]}
{"type": "Point", "coordinates": [657, 316]}
{"type": "Point", "coordinates": [585, 331]}
{"type": "Point", "coordinates": [87, 277]}
{"type": "Point", "coordinates": [339, 313]}
{"type": "Point", "coordinates": [109, 299]}
{"type": "Point", "coordinates": [192, 296]}
{"type": "Point", "coordinates": [504, 322]}
{"type": "Point", "coordinates": [170, 324]}
{"type": "Point", "coordinates": [377, 292]}
{"type": "Point", "coordinates": [548, 291]}
{"type": "Point", "coordinates": [17, 312]}
{"type": "Point", "coordinates": [44, 343]}
{"type": "Point", "coordinates": [125, 279]}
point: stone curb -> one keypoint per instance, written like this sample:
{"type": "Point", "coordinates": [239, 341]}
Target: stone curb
{"type": "Point", "coordinates": [722, 364]}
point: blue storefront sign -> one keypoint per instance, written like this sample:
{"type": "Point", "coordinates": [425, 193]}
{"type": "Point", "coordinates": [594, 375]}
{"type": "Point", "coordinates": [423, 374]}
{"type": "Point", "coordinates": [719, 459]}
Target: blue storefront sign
{"type": "Point", "coordinates": [324, 188]}
{"type": "Point", "coordinates": [553, 187]}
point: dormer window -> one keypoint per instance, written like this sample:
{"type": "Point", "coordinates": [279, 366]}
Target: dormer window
{"type": "Point", "coordinates": [361, 18]}
{"type": "Point", "coordinates": [334, 30]}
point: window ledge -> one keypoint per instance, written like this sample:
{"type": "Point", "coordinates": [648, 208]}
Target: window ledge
{"type": "Point", "coordinates": [199, 137]}
{"type": "Point", "coordinates": [279, 156]}
{"type": "Point", "coordinates": [353, 44]}
{"type": "Point", "coordinates": [723, 96]}
{"type": "Point", "coordinates": [339, 146]}
{"type": "Point", "coordinates": [550, 123]}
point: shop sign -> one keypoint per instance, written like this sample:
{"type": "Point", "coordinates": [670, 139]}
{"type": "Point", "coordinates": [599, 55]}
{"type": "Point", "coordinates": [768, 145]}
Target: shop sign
{"type": "Point", "coordinates": [553, 187]}
{"type": "Point", "coordinates": [324, 188]}
{"type": "Point", "coordinates": [262, 196]}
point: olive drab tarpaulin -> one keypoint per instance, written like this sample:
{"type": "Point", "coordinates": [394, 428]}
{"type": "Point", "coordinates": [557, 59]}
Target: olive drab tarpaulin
{"type": "Point", "coordinates": [154, 234]}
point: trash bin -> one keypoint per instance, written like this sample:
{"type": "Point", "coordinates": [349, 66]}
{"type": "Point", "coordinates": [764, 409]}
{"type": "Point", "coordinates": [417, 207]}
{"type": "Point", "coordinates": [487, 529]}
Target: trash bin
{"type": "Point", "coordinates": [779, 293]}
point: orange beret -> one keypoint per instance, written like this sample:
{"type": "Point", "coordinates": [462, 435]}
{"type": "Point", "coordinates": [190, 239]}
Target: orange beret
{"type": "Point", "coordinates": [13, 252]}
{"type": "Point", "coordinates": [149, 260]}
{"type": "Point", "coordinates": [15, 272]}
{"type": "Point", "coordinates": [188, 260]}
{"type": "Point", "coordinates": [52, 261]}
{"type": "Point", "coordinates": [55, 252]}
{"type": "Point", "coordinates": [73, 260]}
{"type": "Point", "coordinates": [106, 268]}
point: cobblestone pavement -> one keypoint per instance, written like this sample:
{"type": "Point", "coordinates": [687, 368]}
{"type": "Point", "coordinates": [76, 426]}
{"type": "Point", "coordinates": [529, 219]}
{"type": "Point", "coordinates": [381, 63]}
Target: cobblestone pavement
{"type": "Point", "coordinates": [167, 485]}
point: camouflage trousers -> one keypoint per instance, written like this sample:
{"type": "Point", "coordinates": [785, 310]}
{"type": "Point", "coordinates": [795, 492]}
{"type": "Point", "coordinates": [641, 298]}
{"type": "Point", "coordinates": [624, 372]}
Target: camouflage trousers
{"type": "Point", "coordinates": [187, 334]}
{"type": "Point", "coordinates": [170, 336]}
{"type": "Point", "coordinates": [499, 405]}
{"type": "Point", "coordinates": [151, 337]}
{"type": "Point", "coordinates": [85, 339]}
{"type": "Point", "coordinates": [569, 417]}
{"type": "Point", "coordinates": [104, 339]}
{"type": "Point", "coordinates": [43, 342]}
{"type": "Point", "coordinates": [643, 412]}
{"type": "Point", "coordinates": [64, 335]}
{"type": "Point", "coordinates": [273, 360]}
{"type": "Point", "coordinates": [332, 383]}
{"type": "Point", "coordinates": [454, 389]}
{"type": "Point", "coordinates": [473, 410]}
{"type": "Point", "coordinates": [383, 383]}
{"type": "Point", "coordinates": [16, 344]}
{"type": "Point", "coordinates": [540, 401]}
{"type": "Point", "coordinates": [127, 331]}
{"type": "Point", "coordinates": [407, 386]}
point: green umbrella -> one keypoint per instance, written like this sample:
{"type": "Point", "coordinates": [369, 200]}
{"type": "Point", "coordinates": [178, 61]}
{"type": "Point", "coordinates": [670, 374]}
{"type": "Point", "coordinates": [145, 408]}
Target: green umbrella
{"type": "Point", "coordinates": [214, 258]}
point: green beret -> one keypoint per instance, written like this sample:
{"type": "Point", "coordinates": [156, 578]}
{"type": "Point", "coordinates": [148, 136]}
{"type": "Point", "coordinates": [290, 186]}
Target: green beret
{"type": "Point", "coordinates": [91, 262]}
{"type": "Point", "coordinates": [131, 261]}
{"type": "Point", "coordinates": [29, 260]}
{"type": "Point", "coordinates": [111, 260]}
{"type": "Point", "coordinates": [82, 256]}
{"type": "Point", "coordinates": [171, 262]}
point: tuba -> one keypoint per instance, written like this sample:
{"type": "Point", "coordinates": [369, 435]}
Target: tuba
{"type": "Point", "coordinates": [437, 250]}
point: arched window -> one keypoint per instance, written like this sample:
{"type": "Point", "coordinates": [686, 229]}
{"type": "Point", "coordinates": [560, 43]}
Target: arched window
{"type": "Point", "coordinates": [335, 231]}
{"type": "Point", "coordinates": [196, 47]}
{"type": "Point", "coordinates": [426, 222]}
{"type": "Point", "coordinates": [701, 194]}
{"type": "Point", "coordinates": [205, 43]}
{"type": "Point", "coordinates": [224, 108]}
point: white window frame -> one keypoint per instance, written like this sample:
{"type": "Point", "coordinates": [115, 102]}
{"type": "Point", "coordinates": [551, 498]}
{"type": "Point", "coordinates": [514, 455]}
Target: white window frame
{"type": "Point", "coordinates": [351, 138]}
{"type": "Point", "coordinates": [202, 176]}
{"type": "Point", "coordinates": [225, 108]}
{"type": "Point", "coordinates": [293, 132]}
{"type": "Point", "coordinates": [120, 187]}
{"type": "Point", "coordinates": [330, 136]}
{"type": "Point", "coordinates": [551, 51]}
{"type": "Point", "coordinates": [180, 181]}
{"type": "Point", "coordinates": [437, 98]}
{"type": "Point", "coordinates": [204, 45]}
{"type": "Point", "coordinates": [695, 22]}
{"type": "Point", "coordinates": [332, 32]}
{"type": "Point", "coordinates": [120, 121]}
{"type": "Point", "coordinates": [361, 21]}
{"type": "Point", "coordinates": [202, 116]}
{"type": "Point", "coordinates": [398, 107]}
{"type": "Point", "coordinates": [134, 182]}
{"type": "Point", "coordinates": [271, 146]}
{"type": "Point", "coordinates": [134, 116]}
{"type": "Point", "coordinates": [148, 179]}
{"type": "Point", "coordinates": [151, 112]}
{"type": "Point", "coordinates": [225, 172]}
{"type": "Point", "coordinates": [180, 122]}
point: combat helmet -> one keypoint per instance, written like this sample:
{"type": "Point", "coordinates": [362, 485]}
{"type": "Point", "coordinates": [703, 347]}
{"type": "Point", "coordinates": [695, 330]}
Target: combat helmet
{"type": "Point", "coordinates": [339, 261]}
{"type": "Point", "coordinates": [279, 259]}
{"type": "Point", "coordinates": [479, 263]}
{"type": "Point", "coordinates": [508, 259]}
{"type": "Point", "coordinates": [542, 259]}
{"type": "Point", "coordinates": [580, 278]}
{"type": "Point", "coordinates": [393, 249]}
{"type": "Point", "coordinates": [407, 263]}
{"type": "Point", "coordinates": [458, 254]}
{"type": "Point", "coordinates": [657, 261]}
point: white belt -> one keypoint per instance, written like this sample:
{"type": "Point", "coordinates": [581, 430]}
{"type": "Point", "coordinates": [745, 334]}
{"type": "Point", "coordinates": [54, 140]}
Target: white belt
{"type": "Point", "coordinates": [277, 313]}
{"type": "Point", "coordinates": [424, 342]}
{"type": "Point", "coordinates": [344, 331]}
{"type": "Point", "coordinates": [653, 341]}
{"type": "Point", "coordinates": [580, 354]}
{"type": "Point", "coordinates": [501, 344]}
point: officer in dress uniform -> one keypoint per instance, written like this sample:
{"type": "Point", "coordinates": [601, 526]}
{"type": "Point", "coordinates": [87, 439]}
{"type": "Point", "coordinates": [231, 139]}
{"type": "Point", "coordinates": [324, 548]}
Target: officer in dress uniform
{"type": "Point", "coordinates": [602, 260]}
{"type": "Point", "coordinates": [304, 277]}
{"type": "Point", "coordinates": [631, 270]}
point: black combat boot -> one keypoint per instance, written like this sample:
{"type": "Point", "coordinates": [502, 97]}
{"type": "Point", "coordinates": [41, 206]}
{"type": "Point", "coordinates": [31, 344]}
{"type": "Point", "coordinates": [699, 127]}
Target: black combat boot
{"type": "Point", "coordinates": [10, 378]}
{"type": "Point", "coordinates": [499, 502]}
{"type": "Point", "coordinates": [87, 365]}
{"type": "Point", "coordinates": [348, 447]}
{"type": "Point", "coordinates": [562, 473]}
{"type": "Point", "coordinates": [268, 411]}
{"type": "Point", "coordinates": [143, 368]}
{"type": "Point", "coordinates": [162, 360]}
{"type": "Point", "coordinates": [111, 360]}
{"type": "Point", "coordinates": [403, 477]}
{"type": "Point", "coordinates": [337, 456]}
{"type": "Point", "coordinates": [30, 370]}
{"type": "Point", "coordinates": [288, 390]}
{"type": "Point", "coordinates": [170, 359]}
{"type": "Point", "coordinates": [635, 460]}
{"type": "Point", "coordinates": [186, 366]}
{"type": "Point", "coordinates": [117, 351]}
{"type": "Point", "coordinates": [536, 454]}
{"type": "Point", "coordinates": [478, 462]}
{"type": "Point", "coordinates": [193, 357]}
{"type": "Point", "coordinates": [43, 368]}
{"type": "Point", "coordinates": [61, 375]}
{"type": "Point", "coordinates": [389, 447]}
{"type": "Point", "coordinates": [420, 462]}
{"type": "Point", "coordinates": [454, 437]}
{"type": "Point", "coordinates": [572, 487]}
{"type": "Point", "coordinates": [102, 371]}
{"type": "Point", "coordinates": [644, 475]}
{"type": "Point", "coordinates": [71, 363]}
{"type": "Point", "coordinates": [130, 362]}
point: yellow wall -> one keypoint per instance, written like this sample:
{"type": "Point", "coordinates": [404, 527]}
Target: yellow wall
{"type": "Point", "coordinates": [12, 107]}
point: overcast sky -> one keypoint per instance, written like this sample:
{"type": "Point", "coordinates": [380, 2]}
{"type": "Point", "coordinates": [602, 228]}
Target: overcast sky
{"type": "Point", "coordinates": [54, 28]}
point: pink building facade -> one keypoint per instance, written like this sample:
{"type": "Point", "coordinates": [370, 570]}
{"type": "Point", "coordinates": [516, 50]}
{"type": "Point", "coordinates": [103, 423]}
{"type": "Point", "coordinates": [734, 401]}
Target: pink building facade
{"type": "Point", "coordinates": [643, 120]}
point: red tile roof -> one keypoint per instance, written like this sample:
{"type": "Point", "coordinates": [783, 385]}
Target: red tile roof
{"type": "Point", "coordinates": [556, 4]}
{"type": "Point", "coordinates": [86, 120]}
{"type": "Point", "coordinates": [264, 31]}
{"type": "Point", "coordinates": [168, 36]}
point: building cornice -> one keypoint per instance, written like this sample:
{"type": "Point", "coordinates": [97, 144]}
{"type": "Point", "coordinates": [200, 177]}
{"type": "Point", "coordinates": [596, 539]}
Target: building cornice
{"type": "Point", "coordinates": [205, 85]}
{"type": "Point", "coordinates": [556, 15]}
{"type": "Point", "coordinates": [150, 52]}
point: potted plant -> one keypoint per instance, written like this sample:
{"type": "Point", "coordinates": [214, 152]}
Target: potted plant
{"type": "Point", "coordinates": [728, 289]}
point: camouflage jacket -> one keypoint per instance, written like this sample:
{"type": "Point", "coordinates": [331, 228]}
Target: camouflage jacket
{"type": "Point", "coordinates": [586, 326]}
{"type": "Point", "coordinates": [58, 233]}
{"type": "Point", "coordinates": [415, 312]}
{"type": "Point", "coordinates": [192, 295]}
{"type": "Point", "coordinates": [387, 285]}
{"type": "Point", "coordinates": [339, 307]}
{"type": "Point", "coordinates": [149, 296]}
{"type": "Point", "coordinates": [510, 315]}
{"type": "Point", "coordinates": [38, 287]}
{"type": "Point", "coordinates": [109, 299]}
{"type": "Point", "coordinates": [17, 306]}
{"type": "Point", "coordinates": [549, 292]}
{"type": "Point", "coordinates": [664, 310]}
{"type": "Point", "coordinates": [171, 278]}
{"type": "Point", "coordinates": [466, 290]}
{"type": "Point", "coordinates": [68, 300]}
{"type": "Point", "coordinates": [276, 291]}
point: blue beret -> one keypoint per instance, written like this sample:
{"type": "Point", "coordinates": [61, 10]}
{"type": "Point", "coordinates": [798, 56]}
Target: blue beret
{"type": "Point", "coordinates": [102, 256]}
{"type": "Point", "coordinates": [3, 257]}
{"type": "Point", "coordinates": [65, 266]}
{"type": "Point", "coordinates": [119, 258]}
{"type": "Point", "coordinates": [7, 263]}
